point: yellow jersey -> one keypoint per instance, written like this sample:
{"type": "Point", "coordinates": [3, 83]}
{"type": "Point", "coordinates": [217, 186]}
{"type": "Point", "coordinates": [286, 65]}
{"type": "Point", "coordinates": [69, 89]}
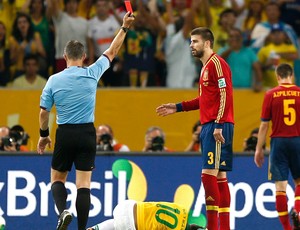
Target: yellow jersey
{"type": "Point", "coordinates": [161, 216]}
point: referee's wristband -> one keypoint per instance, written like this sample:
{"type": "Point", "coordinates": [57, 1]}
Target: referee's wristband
{"type": "Point", "coordinates": [125, 29]}
{"type": "Point", "coordinates": [44, 133]}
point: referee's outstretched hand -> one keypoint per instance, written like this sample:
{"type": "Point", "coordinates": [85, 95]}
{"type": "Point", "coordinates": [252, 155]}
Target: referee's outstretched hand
{"type": "Point", "coordinates": [166, 109]}
{"type": "Point", "coordinates": [43, 143]}
{"type": "Point", "coordinates": [128, 19]}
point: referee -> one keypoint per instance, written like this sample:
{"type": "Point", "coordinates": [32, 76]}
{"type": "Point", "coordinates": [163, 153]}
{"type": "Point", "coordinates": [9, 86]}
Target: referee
{"type": "Point", "coordinates": [73, 92]}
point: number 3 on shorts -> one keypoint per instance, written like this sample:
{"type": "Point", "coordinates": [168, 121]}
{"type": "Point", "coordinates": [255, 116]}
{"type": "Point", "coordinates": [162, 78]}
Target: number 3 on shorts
{"type": "Point", "coordinates": [210, 158]}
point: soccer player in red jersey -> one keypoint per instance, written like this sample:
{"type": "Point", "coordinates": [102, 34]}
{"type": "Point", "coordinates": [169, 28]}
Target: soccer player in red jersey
{"type": "Point", "coordinates": [215, 101]}
{"type": "Point", "coordinates": [281, 106]}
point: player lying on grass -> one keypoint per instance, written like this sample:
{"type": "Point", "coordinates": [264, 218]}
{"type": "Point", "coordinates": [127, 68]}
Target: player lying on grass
{"type": "Point", "coordinates": [133, 215]}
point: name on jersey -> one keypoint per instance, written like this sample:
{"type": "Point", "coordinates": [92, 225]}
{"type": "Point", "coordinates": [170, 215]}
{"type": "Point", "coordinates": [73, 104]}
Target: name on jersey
{"type": "Point", "coordinates": [286, 93]}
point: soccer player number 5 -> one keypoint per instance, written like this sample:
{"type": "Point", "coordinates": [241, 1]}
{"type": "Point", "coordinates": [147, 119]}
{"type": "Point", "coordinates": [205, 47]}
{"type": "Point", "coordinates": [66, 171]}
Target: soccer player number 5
{"type": "Point", "coordinates": [289, 112]}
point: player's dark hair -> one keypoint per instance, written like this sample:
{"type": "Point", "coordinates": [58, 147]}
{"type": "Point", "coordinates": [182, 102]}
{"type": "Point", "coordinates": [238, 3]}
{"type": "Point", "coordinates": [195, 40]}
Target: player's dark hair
{"type": "Point", "coordinates": [205, 33]}
{"type": "Point", "coordinates": [74, 50]}
{"type": "Point", "coordinates": [284, 70]}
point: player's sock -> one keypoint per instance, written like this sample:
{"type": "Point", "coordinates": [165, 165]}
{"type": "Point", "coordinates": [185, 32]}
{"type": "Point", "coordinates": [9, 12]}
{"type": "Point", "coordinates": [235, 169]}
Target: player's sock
{"type": "Point", "coordinates": [212, 199]}
{"type": "Point", "coordinates": [297, 198]}
{"type": "Point", "coordinates": [60, 195]}
{"type": "Point", "coordinates": [105, 225]}
{"type": "Point", "coordinates": [224, 206]}
{"type": "Point", "coordinates": [83, 202]}
{"type": "Point", "coordinates": [282, 209]}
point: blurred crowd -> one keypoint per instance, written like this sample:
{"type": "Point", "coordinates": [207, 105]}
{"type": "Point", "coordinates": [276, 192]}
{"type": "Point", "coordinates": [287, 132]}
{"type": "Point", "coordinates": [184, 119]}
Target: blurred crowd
{"type": "Point", "coordinates": [252, 35]}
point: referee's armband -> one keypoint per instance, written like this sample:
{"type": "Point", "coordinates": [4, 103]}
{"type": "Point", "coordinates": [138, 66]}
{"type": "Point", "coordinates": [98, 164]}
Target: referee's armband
{"type": "Point", "coordinates": [179, 107]}
{"type": "Point", "coordinates": [218, 125]}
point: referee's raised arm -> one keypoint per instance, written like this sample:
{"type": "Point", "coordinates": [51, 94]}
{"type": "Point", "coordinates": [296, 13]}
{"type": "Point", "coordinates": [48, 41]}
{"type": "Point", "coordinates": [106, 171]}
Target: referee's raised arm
{"type": "Point", "coordinates": [116, 44]}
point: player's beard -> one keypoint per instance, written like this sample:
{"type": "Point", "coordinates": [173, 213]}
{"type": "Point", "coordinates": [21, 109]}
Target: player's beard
{"type": "Point", "coordinates": [198, 53]}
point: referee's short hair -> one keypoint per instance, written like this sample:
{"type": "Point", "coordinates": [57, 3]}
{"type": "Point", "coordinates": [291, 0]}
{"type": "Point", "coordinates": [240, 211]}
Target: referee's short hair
{"type": "Point", "coordinates": [74, 50]}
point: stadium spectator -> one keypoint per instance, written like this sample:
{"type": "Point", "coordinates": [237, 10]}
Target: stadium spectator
{"type": "Point", "coordinates": [290, 13]}
{"type": "Point", "coordinates": [215, 101]}
{"type": "Point", "coordinates": [130, 214]}
{"type": "Point", "coordinates": [106, 140]}
{"type": "Point", "coordinates": [102, 29]}
{"type": "Point", "coordinates": [30, 79]}
{"type": "Point", "coordinates": [181, 67]}
{"type": "Point", "coordinates": [203, 15]}
{"type": "Point", "coordinates": [263, 29]}
{"type": "Point", "coordinates": [24, 41]}
{"type": "Point", "coordinates": [243, 62]}
{"type": "Point", "coordinates": [215, 8]}
{"type": "Point", "coordinates": [278, 49]}
{"type": "Point", "coordinates": [68, 26]}
{"type": "Point", "coordinates": [281, 106]}
{"type": "Point", "coordinates": [140, 47]}
{"type": "Point", "coordinates": [4, 56]}
{"type": "Point", "coordinates": [41, 24]}
{"type": "Point", "coordinates": [254, 14]}
{"type": "Point", "coordinates": [194, 145]}
{"type": "Point", "coordinates": [73, 92]}
{"type": "Point", "coordinates": [226, 23]}
{"type": "Point", "coordinates": [86, 9]}
{"type": "Point", "coordinates": [7, 14]}
{"type": "Point", "coordinates": [155, 139]}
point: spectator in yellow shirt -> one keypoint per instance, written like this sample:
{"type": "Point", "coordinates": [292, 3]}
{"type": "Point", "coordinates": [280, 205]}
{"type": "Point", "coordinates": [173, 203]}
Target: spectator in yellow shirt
{"type": "Point", "coordinates": [278, 49]}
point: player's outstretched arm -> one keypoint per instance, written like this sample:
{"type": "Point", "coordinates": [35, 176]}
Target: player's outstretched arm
{"type": "Point", "coordinates": [166, 109]}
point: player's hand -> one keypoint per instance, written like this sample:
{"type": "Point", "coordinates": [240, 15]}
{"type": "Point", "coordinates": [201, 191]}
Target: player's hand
{"type": "Point", "coordinates": [218, 136]}
{"type": "Point", "coordinates": [166, 109]}
{"type": "Point", "coordinates": [43, 143]}
{"type": "Point", "coordinates": [259, 157]}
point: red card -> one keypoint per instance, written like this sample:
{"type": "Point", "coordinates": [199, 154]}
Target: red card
{"type": "Point", "coordinates": [128, 6]}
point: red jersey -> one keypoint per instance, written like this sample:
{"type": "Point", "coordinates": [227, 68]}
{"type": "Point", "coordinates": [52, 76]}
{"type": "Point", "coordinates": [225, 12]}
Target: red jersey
{"type": "Point", "coordinates": [282, 106]}
{"type": "Point", "coordinates": [215, 98]}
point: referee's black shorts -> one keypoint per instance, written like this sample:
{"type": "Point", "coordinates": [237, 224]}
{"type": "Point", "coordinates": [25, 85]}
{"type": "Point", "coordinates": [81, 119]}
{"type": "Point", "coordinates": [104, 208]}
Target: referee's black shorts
{"type": "Point", "coordinates": [75, 143]}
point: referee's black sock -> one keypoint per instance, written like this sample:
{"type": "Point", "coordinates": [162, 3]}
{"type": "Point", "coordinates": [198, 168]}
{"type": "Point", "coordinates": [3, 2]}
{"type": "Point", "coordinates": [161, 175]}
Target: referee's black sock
{"type": "Point", "coordinates": [83, 203]}
{"type": "Point", "coordinates": [60, 195]}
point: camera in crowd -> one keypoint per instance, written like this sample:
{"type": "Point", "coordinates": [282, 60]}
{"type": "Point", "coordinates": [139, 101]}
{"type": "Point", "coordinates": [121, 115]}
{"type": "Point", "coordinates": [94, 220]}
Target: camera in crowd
{"type": "Point", "coordinates": [251, 144]}
{"type": "Point", "coordinates": [16, 137]}
{"type": "Point", "coordinates": [105, 143]}
{"type": "Point", "coordinates": [157, 144]}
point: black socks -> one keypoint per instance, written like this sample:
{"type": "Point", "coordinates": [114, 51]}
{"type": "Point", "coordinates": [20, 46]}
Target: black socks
{"type": "Point", "coordinates": [83, 203]}
{"type": "Point", "coordinates": [60, 195]}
